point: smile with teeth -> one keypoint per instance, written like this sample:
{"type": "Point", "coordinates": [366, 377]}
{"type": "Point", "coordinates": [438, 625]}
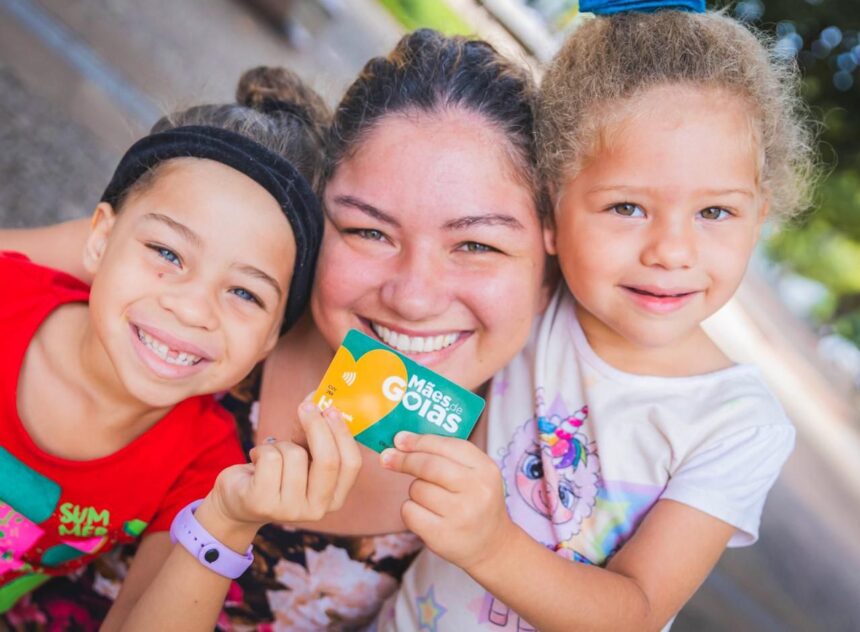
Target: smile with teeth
{"type": "Point", "coordinates": [414, 344]}
{"type": "Point", "coordinates": [171, 356]}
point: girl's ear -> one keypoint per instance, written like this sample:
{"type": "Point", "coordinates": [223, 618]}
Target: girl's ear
{"type": "Point", "coordinates": [549, 224]}
{"type": "Point", "coordinates": [100, 228]}
{"type": "Point", "coordinates": [549, 238]}
{"type": "Point", "coordinates": [551, 279]}
{"type": "Point", "coordinates": [271, 342]}
{"type": "Point", "coordinates": [764, 209]}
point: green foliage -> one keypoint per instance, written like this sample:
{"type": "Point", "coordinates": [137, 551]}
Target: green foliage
{"type": "Point", "coordinates": [413, 14]}
{"type": "Point", "coordinates": [824, 35]}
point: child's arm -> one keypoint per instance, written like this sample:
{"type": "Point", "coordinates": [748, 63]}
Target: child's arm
{"type": "Point", "coordinates": [60, 246]}
{"type": "Point", "coordinates": [284, 483]}
{"type": "Point", "coordinates": [457, 507]}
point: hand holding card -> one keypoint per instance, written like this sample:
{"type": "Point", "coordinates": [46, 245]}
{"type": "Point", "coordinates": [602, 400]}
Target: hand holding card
{"type": "Point", "coordinates": [380, 392]}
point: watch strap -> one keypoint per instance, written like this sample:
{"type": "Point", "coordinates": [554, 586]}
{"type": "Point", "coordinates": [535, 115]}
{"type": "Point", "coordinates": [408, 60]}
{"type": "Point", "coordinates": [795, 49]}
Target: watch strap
{"type": "Point", "coordinates": [208, 550]}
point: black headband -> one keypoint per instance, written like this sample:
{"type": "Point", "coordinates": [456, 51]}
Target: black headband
{"type": "Point", "coordinates": [268, 169]}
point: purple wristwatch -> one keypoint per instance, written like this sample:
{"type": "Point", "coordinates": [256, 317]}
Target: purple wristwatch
{"type": "Point", "coordinates": [201, 544]}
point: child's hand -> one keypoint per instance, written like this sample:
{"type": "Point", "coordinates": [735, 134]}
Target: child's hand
{"type": "Point", "coordinates": [457, 502]}
{"type": "Point", "coordinates": [286, 483]}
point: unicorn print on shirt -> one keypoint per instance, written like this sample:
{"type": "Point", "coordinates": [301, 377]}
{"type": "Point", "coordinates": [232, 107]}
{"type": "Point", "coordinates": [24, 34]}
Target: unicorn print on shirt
{"type": "Point", "coordinates": [552, 477]}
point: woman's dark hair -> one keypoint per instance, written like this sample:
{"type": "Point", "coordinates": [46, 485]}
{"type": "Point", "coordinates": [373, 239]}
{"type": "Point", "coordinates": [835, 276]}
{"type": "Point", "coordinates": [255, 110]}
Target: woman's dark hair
{"type": "Point", "coordinates": [430, 72]}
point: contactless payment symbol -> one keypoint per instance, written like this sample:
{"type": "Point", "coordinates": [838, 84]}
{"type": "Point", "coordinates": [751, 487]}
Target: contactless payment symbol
{"type": "Point", "coordinates": [380, 392]}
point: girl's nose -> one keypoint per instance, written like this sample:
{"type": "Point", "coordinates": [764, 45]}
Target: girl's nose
{"type": "Point", "coordinates": [418, 288]}
{"type": "Point", "coordinates": [670, 244]}
{"type": "Point", "coordinates": [193, 306]}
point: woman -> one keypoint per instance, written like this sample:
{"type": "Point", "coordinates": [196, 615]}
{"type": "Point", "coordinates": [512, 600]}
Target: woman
{"type": "Point", "coordinates": [434, 244]}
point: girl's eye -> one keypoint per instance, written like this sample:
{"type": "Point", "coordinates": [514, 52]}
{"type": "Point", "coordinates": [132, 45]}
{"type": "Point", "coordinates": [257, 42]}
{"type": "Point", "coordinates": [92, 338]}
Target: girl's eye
{"type": "Point", "coordinates": [367, 233]}
{"type": "Point", "coordinates": [167, 254]}
{"type": "Point", "coordinates": [474, 246]}
{"type": "Point", "coordinates": [714, 213]}
{"type": "Point", "coordinates": [627, 209]}
{"type": "Point", "coordinates": [245, 295]}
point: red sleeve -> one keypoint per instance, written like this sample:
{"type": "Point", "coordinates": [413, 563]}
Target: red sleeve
{"type": "Point", "coordinates": [197, 479]}
{"type": "Point", "coordinates": [11, 254]}
{"type": "Point", "coordinates": [17, 270]}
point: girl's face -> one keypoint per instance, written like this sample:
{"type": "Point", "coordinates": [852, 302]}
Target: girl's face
{"type": "Point", "coordinates": [656, 229]}
{"type": "Point", "coordinates": [432, 245]}
{"type": "Point", "coordinates": [190, 280]}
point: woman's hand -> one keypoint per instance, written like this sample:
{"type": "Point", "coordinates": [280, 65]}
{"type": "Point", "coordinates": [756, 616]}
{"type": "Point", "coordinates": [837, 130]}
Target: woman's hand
{"type": "Point", "coordinates": [457, 501]}
{"type": "Point", "coordinates": [286, 483]}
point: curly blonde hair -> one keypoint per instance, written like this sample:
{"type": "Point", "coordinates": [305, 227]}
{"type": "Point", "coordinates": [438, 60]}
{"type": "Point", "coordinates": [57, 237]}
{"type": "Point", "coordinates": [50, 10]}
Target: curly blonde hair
{"type": "Point", "coordinates": [616, 58]}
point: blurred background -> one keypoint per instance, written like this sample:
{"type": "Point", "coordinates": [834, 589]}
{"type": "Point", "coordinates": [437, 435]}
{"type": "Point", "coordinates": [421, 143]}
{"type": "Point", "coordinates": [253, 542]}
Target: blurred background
{"type": "Point", "coordinates": [80, 80]}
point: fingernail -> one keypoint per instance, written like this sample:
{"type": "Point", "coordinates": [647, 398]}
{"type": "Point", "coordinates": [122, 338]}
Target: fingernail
{"type": "Point", "coordinates": [387, 456]}
{"type": "Point", "coordinates": [271, 440]}
{"type": "Point", "coordinates": [308, 406]}
{"type": "Point", "coordinates": [402, 438]}
{"type": "Point", "coordinates": [332, 413]}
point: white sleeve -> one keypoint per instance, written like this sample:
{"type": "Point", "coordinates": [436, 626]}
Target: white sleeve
{"type": "Point", "coordinates": [730, 477]}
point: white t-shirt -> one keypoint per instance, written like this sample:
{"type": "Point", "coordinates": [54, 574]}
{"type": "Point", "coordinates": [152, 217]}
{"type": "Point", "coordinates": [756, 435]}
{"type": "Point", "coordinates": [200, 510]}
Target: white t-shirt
{"type": "Point", "coordinates": [586, 450]}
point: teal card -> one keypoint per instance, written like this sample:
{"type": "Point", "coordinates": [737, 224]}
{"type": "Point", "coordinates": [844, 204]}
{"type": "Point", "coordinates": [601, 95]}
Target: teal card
{"type": "Point", "coordinates": [381, 392]}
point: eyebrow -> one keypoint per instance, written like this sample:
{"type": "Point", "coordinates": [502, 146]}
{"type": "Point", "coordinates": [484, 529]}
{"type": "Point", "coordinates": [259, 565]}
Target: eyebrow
{"type": "Point", "coordinates": [710, 192]}
{"type": "Point", "coordinates": [262, 276]}
{"type": "Point", "coordinates": [490, 219]}
{"type": "Point", "coordinates": [182, 229]}
{"type": "Point", "coordinates": [367, 209]}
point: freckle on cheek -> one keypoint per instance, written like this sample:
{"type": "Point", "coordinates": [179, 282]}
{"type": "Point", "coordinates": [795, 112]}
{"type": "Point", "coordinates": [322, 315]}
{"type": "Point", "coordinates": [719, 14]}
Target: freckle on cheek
{"type": "Point", "coordinates": [160, 274]}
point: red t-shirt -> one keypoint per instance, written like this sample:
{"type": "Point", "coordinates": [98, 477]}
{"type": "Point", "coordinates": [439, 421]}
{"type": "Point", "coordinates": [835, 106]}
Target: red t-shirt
{"type": "Point", "coordinates": [56, 514]}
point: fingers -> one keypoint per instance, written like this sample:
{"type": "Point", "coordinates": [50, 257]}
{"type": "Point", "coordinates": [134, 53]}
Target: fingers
{"type": "Point", "coordinates": [458, 450]}
{"type": "Point", "coordinates": [268, 472]}
{"type": "Point", "coordinates": [294, 477]}
{"type": "Point", "coordinates": [419, 519]}
{"type": "Point", "coordinates": [325, 458]}
{"type": "Point", "coordinates": [350, 460]}
{"type": "Point", "coordinates": [336, 459]}
{"type": "Point", "coordinates": [430, 467]}
{"type": "Point", "coordinates": [430, 496]}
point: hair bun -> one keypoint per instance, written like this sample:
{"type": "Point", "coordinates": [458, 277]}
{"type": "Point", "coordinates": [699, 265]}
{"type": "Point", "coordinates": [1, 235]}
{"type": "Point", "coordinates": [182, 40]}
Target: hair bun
{"type": "Point", "coordinates": [274, 89]}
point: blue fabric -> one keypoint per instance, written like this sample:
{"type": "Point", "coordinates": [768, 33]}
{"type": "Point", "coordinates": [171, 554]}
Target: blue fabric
{"type": "Point", "coordinates": [608, 7]}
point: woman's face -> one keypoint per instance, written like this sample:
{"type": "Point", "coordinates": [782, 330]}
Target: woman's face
{"type": "Point", "coordinates": [432, 245]}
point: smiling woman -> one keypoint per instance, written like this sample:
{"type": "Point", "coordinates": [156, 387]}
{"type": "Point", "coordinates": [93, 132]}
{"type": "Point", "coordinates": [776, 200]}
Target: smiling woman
{"type": "Point", "coordinates": [424, 263]}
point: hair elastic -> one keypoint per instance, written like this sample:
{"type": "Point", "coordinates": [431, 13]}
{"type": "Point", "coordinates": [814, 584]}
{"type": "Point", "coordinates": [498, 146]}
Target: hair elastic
{"type": "Point", "coordinates": [608, 7]}
{"type": "Point", "coordinates": [271, 171]}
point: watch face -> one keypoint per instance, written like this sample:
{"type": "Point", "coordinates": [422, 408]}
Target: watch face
{"type": "Point", "coordinates": [211, 555]}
